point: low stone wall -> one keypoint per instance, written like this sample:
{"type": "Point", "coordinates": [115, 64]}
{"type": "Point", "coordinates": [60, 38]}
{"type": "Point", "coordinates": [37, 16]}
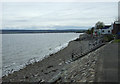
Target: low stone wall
{"type": "Point", "coordinates": [82, 66]}
{"type": "Point", "coordinates": [81, 70]}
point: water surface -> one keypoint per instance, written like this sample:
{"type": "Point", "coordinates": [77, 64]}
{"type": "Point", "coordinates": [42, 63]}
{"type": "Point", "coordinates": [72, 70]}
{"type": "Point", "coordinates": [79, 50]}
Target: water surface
{"type": "Point", "coordinates": [21, 49]}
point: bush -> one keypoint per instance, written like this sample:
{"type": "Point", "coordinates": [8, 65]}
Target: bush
{"type": "Point", "coordinates": [90, 31]}
{"type": "Point", "coordinates": [108, 37]}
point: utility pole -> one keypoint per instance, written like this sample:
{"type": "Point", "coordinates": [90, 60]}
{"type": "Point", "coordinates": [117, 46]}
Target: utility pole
{"type": "Point", "coordinates": [119, 11]}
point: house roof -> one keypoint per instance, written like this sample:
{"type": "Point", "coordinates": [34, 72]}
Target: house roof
{"type": "Point", "coordinates": [106, 26]}
{"type": "Point", "coordinates": [117, 22]}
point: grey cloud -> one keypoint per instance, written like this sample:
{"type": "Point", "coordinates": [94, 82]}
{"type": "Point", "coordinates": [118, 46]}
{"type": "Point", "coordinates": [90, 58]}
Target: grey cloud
{"type": "Point", "coordinates": [45, 14]}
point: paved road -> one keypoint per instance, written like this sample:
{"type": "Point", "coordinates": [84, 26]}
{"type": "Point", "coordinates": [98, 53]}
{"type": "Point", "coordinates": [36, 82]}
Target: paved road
{"type": "Point", "coordinates": [108, 64]}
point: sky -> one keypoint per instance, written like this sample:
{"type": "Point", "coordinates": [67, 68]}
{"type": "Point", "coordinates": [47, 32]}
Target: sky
{"type": "Point", "coordinates": [57, 15]}
{"type": "Point", "coordinates": [59, 0]}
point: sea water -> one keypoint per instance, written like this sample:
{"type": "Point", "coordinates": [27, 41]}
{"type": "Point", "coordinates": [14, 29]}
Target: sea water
{"type": "Point", "coordinates": [19, 50]}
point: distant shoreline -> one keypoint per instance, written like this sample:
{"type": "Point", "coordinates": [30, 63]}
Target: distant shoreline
{"type": "Point", "coordinates": [40, 31]}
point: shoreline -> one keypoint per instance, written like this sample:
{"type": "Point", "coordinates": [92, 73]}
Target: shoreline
{"type": "Point", "coordinates": [50, 66]}
{"type": "Point", "coordinates": [41, 31]}
{"type": "Point", "coordinates": [33, 60]}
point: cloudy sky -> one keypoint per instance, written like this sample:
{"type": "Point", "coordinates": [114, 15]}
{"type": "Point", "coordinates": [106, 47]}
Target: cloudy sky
{"type": "Point", "coordinates": [57, 15]}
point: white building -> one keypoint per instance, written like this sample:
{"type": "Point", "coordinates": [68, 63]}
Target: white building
{"type": "Point", "coordinates": [106, 30]}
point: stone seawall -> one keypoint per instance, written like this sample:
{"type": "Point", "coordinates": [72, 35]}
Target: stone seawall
{"type": "Point", "coordinates": [81, 70]}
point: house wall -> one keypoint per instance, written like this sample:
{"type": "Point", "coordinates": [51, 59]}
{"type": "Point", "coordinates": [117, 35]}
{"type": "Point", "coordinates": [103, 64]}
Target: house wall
{"type": "Point", "coordinates": [106, 31]}
{"type": "Point", "coordinates": [116, 28]}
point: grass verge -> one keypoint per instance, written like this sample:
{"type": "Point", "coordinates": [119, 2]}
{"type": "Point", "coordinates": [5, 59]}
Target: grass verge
{"type": "Point", "coordinates": [116, 41]}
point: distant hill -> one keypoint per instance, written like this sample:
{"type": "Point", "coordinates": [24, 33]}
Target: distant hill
{"type": "Point", "coordinates": [41, 31]}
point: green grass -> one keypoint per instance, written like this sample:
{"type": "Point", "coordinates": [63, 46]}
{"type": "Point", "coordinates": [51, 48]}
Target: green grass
{"type": "Point", "coordinates": [117, 40]}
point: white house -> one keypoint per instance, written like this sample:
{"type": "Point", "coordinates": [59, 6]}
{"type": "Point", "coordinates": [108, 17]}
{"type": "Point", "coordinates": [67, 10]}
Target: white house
{"type": "Point", "coordinates": [106, 30]}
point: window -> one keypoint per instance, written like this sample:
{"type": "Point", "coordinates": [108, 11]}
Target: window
{"type": "Point", "coordinates": [102, 30]}
{"type": "Point", "coordinates": [108, 31]}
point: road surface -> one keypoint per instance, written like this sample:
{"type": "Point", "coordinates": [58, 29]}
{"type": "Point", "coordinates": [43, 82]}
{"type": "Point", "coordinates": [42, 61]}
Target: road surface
{"type": "Point", "coordinates": [107, 69]}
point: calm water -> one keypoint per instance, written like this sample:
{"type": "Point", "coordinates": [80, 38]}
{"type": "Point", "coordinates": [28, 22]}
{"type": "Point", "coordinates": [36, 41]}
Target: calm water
{"type": "Point", "coordinates": [21, 49]}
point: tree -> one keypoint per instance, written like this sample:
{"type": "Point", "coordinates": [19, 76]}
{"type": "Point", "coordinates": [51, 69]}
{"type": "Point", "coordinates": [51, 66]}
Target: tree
{"type": "Point", "coordinates": [99, 25]}
{"type": "Point", "coordinates": [90, 31]}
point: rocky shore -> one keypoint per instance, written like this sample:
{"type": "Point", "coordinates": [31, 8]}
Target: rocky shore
{"type": "Point", "coordinates": [61, 66]}
{"type": "Point", "coordinates": [81, 70]}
